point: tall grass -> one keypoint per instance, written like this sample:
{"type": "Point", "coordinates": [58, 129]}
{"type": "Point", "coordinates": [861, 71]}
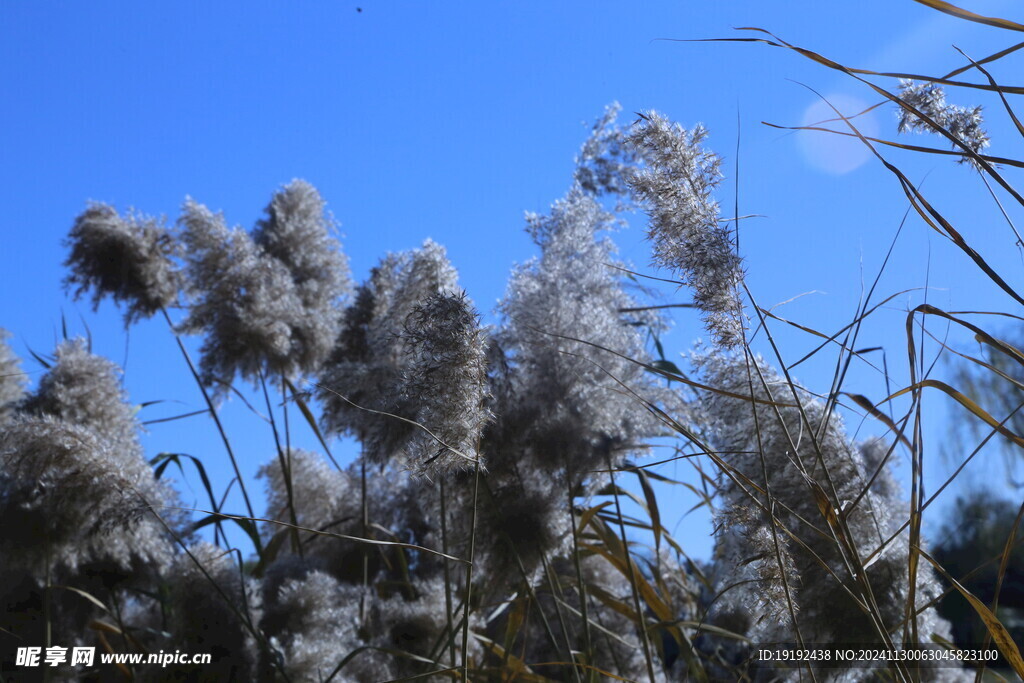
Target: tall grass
{"type": "Point", "coordinates": [485, 531]}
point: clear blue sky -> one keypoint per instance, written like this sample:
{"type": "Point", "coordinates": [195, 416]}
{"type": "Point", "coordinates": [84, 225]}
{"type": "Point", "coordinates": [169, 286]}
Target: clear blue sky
{"type": "Point", "coordinates": [449, 120]}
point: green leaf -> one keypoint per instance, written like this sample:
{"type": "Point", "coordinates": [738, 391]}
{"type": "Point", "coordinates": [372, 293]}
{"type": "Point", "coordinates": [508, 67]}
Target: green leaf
{"type": "Point", "coordinates": [667, 366]}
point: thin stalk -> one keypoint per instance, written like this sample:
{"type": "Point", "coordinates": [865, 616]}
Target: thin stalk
{"type": "Point", "coordinates": [286, 470]}
{"type": "Point", "coordinates": [632, 575]}
{"type": "Point", "coordinates": [581, 586]}
{"type": "Point", "coordinates": [47, 611]}
{"type": "Point", "coordinates": [769, 498]}
{"type": "Point", "coordinates": [47, 605]}
{"type": "Point", "coordinates": [557, 601]}
{"type": "Point", "coordinates": [848, 555]}
{"type": "Point", "coordinates": [527, 586]}
{"type": "Point", "coordinates": [216, 418]}
{"type": "Point", "coordinates": [365, 513]}
{"type": "Point", "coordinates": [244, 615]}
{"type": "Point", "coordinates": [447, 574]}
{"type": "Point", "coordinates": [287, 440]}
{"type": "Point", "coordinates": [469, 573]}
{"type": "Point", "coordinates": [535, 601]}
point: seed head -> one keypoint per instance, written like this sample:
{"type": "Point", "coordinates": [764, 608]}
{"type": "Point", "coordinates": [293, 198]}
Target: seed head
{"type": "Point", "coordinates": [963, 123]}
{"type": "Point", "coordinates": [244, 301]}
{"type": "Point", "coordinates": [687, 236]}
{"type": "Point", "coordinates": [362, 384]}
{"type": "Point", "coordinates": [130, 259]}
{"type": "Point", "coordinates": [800, 454]}
{"type": "Point", "coordinates": [447, 377]}
{"type": "Point", "coordinates": [567, 406]}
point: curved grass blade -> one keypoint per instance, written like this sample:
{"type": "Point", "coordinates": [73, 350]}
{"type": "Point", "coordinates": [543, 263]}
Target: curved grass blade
{"type": "Point", "coordinates": [995, 628]}
{"type": "Point", "coordinates": [961, 13]}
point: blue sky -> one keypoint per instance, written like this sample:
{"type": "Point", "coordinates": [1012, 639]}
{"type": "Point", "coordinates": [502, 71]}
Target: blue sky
{"type": "Point", "coordinates": [449, 120]}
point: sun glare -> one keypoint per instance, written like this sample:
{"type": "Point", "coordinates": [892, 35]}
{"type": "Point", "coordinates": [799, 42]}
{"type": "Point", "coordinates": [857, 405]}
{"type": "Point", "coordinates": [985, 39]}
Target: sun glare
{"type": "Point", "coordinates": [830, 152]}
